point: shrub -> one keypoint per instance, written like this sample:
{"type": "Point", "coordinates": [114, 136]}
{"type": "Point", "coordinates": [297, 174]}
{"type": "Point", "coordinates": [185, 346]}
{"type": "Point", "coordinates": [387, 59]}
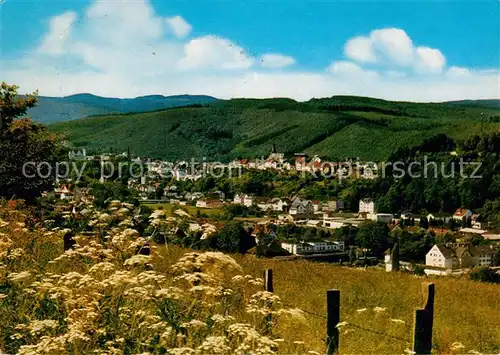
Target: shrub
{"type": "Point", "coordinates": [484, 274]}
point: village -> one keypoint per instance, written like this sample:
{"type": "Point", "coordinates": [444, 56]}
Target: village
{"type": "Point", "coordinates": [453, 257]}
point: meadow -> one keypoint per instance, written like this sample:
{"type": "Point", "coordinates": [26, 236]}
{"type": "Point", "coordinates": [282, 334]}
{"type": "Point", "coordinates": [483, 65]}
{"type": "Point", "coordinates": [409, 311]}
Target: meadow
{"type": "Point", "coordinates": [104, 296]}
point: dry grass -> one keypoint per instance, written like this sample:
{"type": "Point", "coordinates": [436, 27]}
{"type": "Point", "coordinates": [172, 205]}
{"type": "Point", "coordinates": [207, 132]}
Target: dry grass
{"type": "Point", "coordinates": [48, 308]}
{"type": "Point", "coordinates": [466, 312]}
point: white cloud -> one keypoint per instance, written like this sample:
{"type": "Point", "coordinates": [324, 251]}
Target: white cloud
{"type": "Point", "coordinates": [60, 29]}
{"type": "Point", "coordinates": [344, 67]}
{"type": "Point", "coordinates": [360, 49]}
{"type": "Point", "coordinates": [429, 60]}
{"type": "Point", "coordinates": [458, 72]}
{"type": "Point", "coordinates": [393, 44]}
{"type": "Point", "coordinates": [104, 57]}
{"type": "Point", "coordinates": [393, 47]}
{"type": "Point", "coordinates": [212, 52]}
{"type": "Point", "coordinates": [179, 26]}
{"type": "Point", "coordinates": [272, 60]}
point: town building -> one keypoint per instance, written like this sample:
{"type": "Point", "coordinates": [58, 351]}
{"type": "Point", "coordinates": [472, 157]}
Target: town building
{"type": "Point", "coordinates": [301, 209]}
{"type": "Point", "coordinates": [459, 256]}
{"type": "Point", "coordinates": [367, 208]}
{"type": "Point", "coordinates": [333, 206]}
{"type": "Point", "coordinates": [313, 247]}
{"type": "Point", "coordinates": [462, 215]}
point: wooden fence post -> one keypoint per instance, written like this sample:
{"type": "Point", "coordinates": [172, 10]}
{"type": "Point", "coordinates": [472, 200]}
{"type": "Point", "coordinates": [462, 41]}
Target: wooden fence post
{"type": "Point", "coordinates": [332, 319]}
{"type": "Point", "coordinates": [268, 280]}
{"type": "Point", "coordinates": [422, 338]}
{"type": "Point", "coordinates": [268, 286]}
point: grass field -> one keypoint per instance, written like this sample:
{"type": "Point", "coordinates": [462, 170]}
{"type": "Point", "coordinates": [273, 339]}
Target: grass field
{"type": "Point", "coordinates": [100, 297]}
{"type": "Point", "coordinates": [466, 312]}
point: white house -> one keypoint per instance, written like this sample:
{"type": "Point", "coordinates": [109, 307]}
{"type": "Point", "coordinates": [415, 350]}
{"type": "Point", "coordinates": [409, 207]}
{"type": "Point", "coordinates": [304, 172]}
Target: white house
{"type": "Point", "coordinates": [244, 199]}
{"type": "Point", "coordinates": [442, 217]}
{"type": "Point", "coordinates": [248, 200]}
{"type": "Point", "coordinates": [312, 247]}
{"type": "Point", "coordinates": [459, 255]}
{"type": "Point", "coordinates": [279, 205]}
{"type": "Point", "coordinates": [440, 256]}
{"type": "Point", "coordinates": [367, 205]}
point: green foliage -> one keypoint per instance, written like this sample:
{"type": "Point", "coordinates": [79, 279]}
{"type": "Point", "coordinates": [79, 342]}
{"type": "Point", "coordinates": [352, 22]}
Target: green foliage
{"type": "Point", "coordinates": [22, 145]}
{"type": "Point", "coordinates": [484, 274]}
{"type": "Point", "coordinates": [232, 238]}
{"type": "Point", "coordinates": [373, 236]}
{"type": "Point", "coordinates": [112, 190]}
{"type": "Point", "coordinates": [337, 127]}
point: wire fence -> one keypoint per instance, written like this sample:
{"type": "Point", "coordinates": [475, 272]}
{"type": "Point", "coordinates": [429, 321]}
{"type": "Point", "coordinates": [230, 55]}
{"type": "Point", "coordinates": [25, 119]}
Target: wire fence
{"type": "Point", "coordinates": [422, 332]}
{"type": "Point", "coordinates": [407, 341]}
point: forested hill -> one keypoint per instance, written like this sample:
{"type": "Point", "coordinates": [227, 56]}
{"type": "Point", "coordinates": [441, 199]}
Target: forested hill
{"type": "Point", "coordinates": [337, 127]}
{"type": "Point", "coordinates": [58, 109]}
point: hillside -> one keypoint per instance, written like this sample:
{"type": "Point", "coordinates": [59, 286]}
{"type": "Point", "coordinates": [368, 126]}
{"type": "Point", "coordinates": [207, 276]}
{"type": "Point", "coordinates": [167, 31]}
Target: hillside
{"type": "Point", "coordinates": [57, 109]}
{"type": "Point", "coordinates": [337, 127]}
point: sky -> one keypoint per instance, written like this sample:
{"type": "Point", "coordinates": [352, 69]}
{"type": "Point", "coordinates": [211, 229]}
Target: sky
{"type": "Point", "coordinates": [426, 50]}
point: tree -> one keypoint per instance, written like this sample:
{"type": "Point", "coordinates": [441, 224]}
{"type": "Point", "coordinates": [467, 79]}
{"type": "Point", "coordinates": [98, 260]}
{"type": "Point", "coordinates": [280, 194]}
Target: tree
{"type": "Point", "coordinates": [373, 236]}
{"type": "Point", "coordinates": [233, 238]}
{"type": "Point", "coordinates": [12, 107]}
{"type": "Point", "coordinates": [28, 152]}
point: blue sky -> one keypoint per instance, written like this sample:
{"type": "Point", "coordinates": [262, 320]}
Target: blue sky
{"type": "Point", "coordinates": [413, 50]}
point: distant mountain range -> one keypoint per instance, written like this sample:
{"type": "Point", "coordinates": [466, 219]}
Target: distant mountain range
{"type": "Point", "coordinates": [58, 109]}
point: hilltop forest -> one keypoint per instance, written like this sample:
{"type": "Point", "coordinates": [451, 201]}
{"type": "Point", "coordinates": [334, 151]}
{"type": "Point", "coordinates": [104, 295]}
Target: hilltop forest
{"type": "Point", "coordinates": [336, 128]}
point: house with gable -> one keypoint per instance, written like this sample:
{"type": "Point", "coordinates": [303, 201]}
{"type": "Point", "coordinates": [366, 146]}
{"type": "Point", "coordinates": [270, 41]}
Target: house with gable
{"type": "Point", "coordinates": [301, 209]}
{"type": "Point", "coordinates": [459, 256]}
{"type": "Point", "coordinates": [462, 215]}
{"type": "Point", "coordinates": [440, 218]}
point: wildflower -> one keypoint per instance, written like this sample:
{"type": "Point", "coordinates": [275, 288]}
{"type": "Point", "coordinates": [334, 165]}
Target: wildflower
{"type": "Point", "coordinates": [298, 342]}
{"type": "Point", "coordinates": [312, 352]}
{"type": "Point", "coordinates": [194, 324]}
{"type": "Point", "coordinates": [294, 313]}
{"type": "Point", "coordinates": [457, 346]}
{"type": "Point", "coordinates": [170, 292]}
{"type": "Point", "coordinates": [410, 352]}
{"type": "Point", "coordinates": [3, 223]}
{"type": "Point", "coordinates": [19, 277]}
{"type": "Point", "coordinates": [214, 345]}
{"type": "Point", "coordinates": [379, 309]}
{"type": "Point", "coordinates": [219, 318]}
{"type": "Point", "coordinates": [400, 321]}
{"type": "Point", "coordinates": [39, 326]}
{"type": "Point", "coordinates": [181, 351]}
{"type": "Point", "coordinates": [238, 278]}
{"type": "Point", "coordinates": [361, 310]}
{"type": "Point", "coordinates": [341, 324]}
{"type": "Point", "coordinates": [137, 260]}
{"type": "Point", "coordinates": [166, 336]}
